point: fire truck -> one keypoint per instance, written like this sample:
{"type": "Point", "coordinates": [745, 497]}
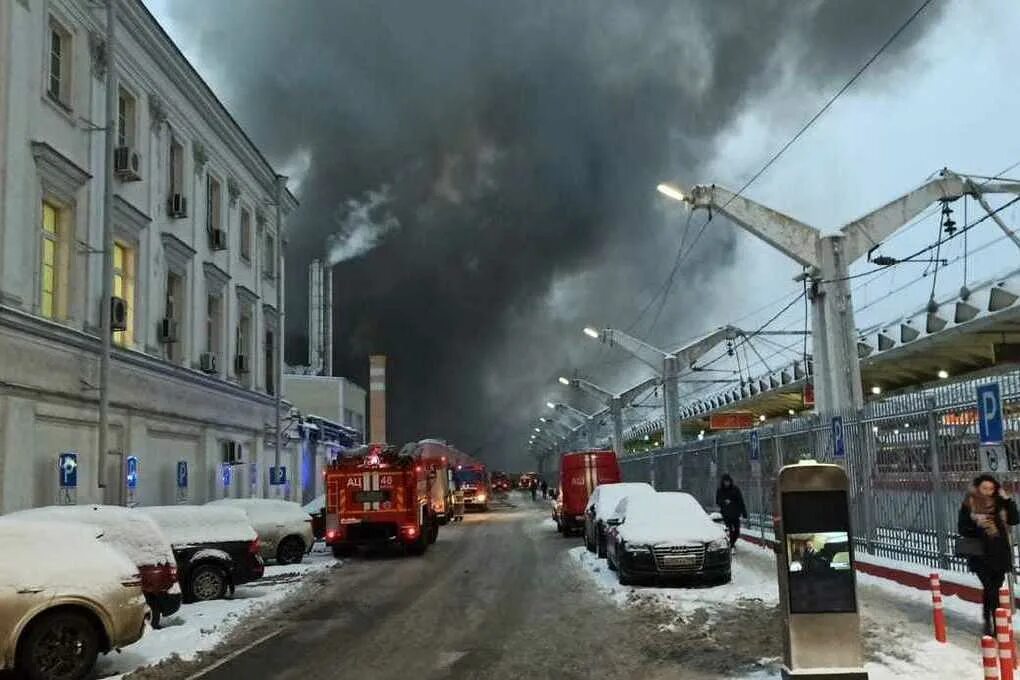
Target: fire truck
{"type": "Point", "coordinates": [473, 480]}
{"type": "Point", "coordinates": [438, 456]}
{"type": "Point", "coordinates": [377, 497]}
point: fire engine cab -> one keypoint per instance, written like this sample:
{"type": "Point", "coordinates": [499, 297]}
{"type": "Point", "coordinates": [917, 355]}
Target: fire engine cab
{"type": "Point", "coordinates": [377, 497]}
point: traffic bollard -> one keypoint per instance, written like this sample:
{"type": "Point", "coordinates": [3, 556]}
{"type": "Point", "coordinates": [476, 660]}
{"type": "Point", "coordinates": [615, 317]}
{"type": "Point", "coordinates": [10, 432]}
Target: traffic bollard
{"type": "Point", "coordinates": [1006, 602]}
{"type": "Point", "coordinates": [1005, 644]}
{"type": "Point", "coordinates": [938, 613]}
{"type": "Point", "coordinates": [990, 658]}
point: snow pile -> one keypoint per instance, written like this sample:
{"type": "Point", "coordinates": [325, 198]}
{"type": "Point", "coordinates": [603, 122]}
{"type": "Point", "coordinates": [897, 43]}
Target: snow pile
{"type": "Point", "coordinates": [134, 534]}
{"type": "Point", "coordinates": [189, 524]}
{"type": "Point", "coordinates": [606, 497]}
{"type": "Point", "coordinates": [65, 557]}
{"type": "Point", "coordinates": [202, 626]}
{"type": "Point", "coordinates": [668, 517]}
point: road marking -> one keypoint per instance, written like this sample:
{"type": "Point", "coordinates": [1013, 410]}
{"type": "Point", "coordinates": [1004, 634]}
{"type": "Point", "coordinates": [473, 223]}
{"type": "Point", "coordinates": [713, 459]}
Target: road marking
{"type": "Point", "coordinates": [236, 653]}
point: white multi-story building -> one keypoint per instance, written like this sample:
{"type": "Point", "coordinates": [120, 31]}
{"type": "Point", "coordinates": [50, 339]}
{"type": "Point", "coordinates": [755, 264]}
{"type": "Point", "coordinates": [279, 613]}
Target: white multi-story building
{"type": "Point", "coordinates": [197, 265]}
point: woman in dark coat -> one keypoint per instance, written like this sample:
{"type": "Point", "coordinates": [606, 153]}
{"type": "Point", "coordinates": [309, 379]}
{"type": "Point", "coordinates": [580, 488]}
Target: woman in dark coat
{"type": "Point", "coordinates": [987, 513]}
{"type": "Point", "coordinates": [731, 507]}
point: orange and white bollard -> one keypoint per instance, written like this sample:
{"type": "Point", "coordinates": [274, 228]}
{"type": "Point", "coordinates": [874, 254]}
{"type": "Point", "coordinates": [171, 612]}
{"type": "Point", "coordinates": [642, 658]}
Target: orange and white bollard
{"type": "Point", "coordinates": [938, 614]}
{"type": "Point", "coordinates": [990, 658]}
{"type": "Point", "coordinates": [1005, 644]}
{"type": "Point", "coordinates": [1006, 603]}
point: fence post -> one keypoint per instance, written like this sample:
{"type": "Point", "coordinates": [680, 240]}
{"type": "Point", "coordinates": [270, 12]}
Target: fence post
{"type": "Point", "coordinates": [938, 489]}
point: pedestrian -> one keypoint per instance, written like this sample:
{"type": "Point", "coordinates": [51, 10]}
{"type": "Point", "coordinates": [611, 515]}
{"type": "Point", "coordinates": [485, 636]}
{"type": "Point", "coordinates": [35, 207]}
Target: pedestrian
{"type": "Point", "coordinates": [985, 517]}
{"type": "Point", "coordinates": [731, 506]}
{"type": "Point", "coordinates": [545, 490]}
{"type": "Point", "coordinates": [534, 491]}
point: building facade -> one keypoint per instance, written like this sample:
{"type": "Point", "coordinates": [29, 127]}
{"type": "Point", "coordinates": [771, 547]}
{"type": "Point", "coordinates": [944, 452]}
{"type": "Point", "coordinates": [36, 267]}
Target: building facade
{"type": "Point", "coordinates": [197, 279]}
{"type": "Point", "coordinates": [336, 399]}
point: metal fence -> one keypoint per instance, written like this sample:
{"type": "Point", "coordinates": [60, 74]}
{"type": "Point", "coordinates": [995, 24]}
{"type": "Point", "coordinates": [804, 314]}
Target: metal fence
{"type": "Point", "coordinates": [910, 458]}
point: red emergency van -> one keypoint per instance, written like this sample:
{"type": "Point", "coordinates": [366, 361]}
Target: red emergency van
{"type": "Point", "coordinates": [580, 473]}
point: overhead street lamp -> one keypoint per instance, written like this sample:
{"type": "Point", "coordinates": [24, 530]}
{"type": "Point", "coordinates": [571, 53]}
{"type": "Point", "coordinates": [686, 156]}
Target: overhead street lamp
{"type": "Point", "coordinates": [589, 420]}
{"type": "Point", "coordinates": [614, 402]}
{"type": "Point", "coordinates": [667, 365]}
{"type": "Point", "coordinates": [826, 259]}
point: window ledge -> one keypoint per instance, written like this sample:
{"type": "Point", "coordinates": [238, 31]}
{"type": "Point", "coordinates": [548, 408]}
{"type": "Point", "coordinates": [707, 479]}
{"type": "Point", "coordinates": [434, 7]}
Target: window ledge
{"type": "Point", "coordinates": [61, 108]}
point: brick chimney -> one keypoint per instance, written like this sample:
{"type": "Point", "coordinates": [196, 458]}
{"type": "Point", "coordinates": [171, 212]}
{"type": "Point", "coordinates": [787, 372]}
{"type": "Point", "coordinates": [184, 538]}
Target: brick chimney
{"type": "Point", "coordinates": [377, 398]}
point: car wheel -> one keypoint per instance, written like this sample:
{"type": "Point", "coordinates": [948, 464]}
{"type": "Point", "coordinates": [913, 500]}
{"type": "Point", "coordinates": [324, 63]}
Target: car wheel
{"type": "Point", "coordinates": [290, 551]}
{"type": "Point", "coordinates": [156, 617]}
{"type": "Point", "coordinates": [589, 546]}
{"type": "Point", "coordinates": [600, 546]}
{"type": "Point", "coordinates": [610, 563]}
{"type": "Point", "coordinates": [625, 578]}
{"type": "Point", "coordinates": [419, 547]}
{"type": "Point", "coordinates": [434, 530]}
{"type": "Point", "coordinates": [207, 582]}
{"type": "Point", "coordinates": [59, 646]}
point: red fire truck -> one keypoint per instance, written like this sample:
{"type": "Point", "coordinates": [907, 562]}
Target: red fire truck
{"type": "Point", "coordinates": [473, 480]}
{"type": "Point", "coordinates": [580, 473]}
{"type": "Point", "coordinates": [377, 497]}
{"type": "Point", "coordinates": [438, 456]}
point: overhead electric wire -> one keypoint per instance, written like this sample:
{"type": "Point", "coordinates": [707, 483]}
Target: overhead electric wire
{"type": "Point", "coordinates": [760, 328]}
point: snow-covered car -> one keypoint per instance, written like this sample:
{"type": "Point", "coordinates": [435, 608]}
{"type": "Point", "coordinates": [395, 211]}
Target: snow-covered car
{"type": "Point", "coordinates": [284, 528]}
{"type": "Point", "coordinates": [137, 536]}
{"type": "Point", "coordinates": [666, 535]}
{"type": "Point", "coordinates": [216, 547]}
{"type": "Point", "coordinates": [65, 597]}
{"type": "Point", "coordinates": [602, 502]}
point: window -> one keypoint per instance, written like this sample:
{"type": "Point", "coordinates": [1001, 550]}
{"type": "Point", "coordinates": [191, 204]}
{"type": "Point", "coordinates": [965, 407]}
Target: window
{"type": "Point", "coordinates": [176, 166]}
{"type": "Point", "coordinates": [245, 235]}
{"type": "Point", "coordinates": [58, 85]}
{"type": "Point", "coordinates": [243, 363]}
{"type": "Point", "coordinates": [124, 288]}
{"type": "Point", "coordinates": [51, 276]}
{"type": "Point", "coordinates": [270, 364]}
{"type": "Point", "coordinates": [125, 119]}
{"type": "Point", "coordinates": [213, 324]}
{"type": "Point", "coordinates": [269, 256]}
{"type": "Point", "coordinates": [174, 305]}
{"type": "Point", "coordinates": [214, 203]}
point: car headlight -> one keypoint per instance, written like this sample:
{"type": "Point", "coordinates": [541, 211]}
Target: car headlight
{"type": "Point", "coordinates": [719, 544]}
{"type": "Point", "coordinates": [638, 549]}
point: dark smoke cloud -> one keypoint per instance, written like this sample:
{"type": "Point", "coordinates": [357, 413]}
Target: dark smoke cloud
{"type": "Point", "coordinates": [517, 145]}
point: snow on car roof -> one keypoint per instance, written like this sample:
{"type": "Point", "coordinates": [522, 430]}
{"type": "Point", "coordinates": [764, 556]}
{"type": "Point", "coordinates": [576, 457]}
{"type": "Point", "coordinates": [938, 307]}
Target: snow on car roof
{"type": "Point", "coordinates": [315, 505]}
{"type": "Point", "coordinates": [188, 524]}
{"type": "Point", "coordinates": [265, 508]}
{"type": "Point", "coordinates": [58, 555]}
{"type": "Point", "coordinates": [134, 534]}
{"type": "Point", "coordinates": [666, 517]}
{"type": "Point", "coordinates": [607, 496]}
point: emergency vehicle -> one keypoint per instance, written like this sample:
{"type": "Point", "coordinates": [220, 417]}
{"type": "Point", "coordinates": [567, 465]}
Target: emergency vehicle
{"type": "Point", "coordinates": [438, 456]}
{"type": "Point", "coordinates": [580, 473]}
{"type": "Point", "coordinates": [473, 480]}
{"type": "Point", "coordinates": [377, 497]}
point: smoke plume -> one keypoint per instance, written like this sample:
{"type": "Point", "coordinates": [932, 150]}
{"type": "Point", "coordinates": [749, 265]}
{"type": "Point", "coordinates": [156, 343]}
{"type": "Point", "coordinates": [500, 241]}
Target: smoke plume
{"type": "Point", "coordinates": [520, 142]}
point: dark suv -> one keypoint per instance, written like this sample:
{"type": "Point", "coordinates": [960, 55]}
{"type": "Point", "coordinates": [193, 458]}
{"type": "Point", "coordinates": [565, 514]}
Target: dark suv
{"type": "Point", "coordinates": [215, 547]}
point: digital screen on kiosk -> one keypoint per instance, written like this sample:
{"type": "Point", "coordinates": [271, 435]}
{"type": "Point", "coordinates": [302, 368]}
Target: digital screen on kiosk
{"type": "Point", "coordinates": [818, 552]}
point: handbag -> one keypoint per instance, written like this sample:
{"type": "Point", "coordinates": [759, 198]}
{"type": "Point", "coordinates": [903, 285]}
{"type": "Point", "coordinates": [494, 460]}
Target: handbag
{"type": "Point", "coordinates": [969, 546]}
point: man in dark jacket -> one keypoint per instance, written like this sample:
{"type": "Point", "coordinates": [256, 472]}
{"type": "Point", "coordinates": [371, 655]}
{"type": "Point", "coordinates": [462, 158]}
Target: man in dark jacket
{"type": "Point", "coordinates": [731, 506]}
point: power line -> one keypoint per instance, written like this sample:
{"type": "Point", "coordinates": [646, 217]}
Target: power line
{"type": "Point", "coordinates": [831, 101]}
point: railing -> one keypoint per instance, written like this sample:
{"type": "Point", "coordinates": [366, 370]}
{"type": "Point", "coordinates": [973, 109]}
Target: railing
{"type": "Point", "coordinates": [910, 459]}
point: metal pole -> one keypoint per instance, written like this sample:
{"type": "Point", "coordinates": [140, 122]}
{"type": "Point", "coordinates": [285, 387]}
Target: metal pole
{"type": "Point", "coordinates": [939, 494]}
{"type": "Point", "coordinates": [671, 401]}
{"type": "Point", "coordinates": [616, 410]}
{"type": "Point", "coordinates": [106, 289]}
{"type": "Point", "coordinates": [281, 183]}
{"type": "Point", "coordinates": [834, 333]}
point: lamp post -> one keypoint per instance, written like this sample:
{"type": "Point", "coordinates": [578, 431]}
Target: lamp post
{"type": "Point", "coordinates": [614, 402]}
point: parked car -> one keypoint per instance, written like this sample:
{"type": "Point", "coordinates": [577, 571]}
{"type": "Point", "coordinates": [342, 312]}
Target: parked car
{"type": "Point", "coordinates": [602, 502]}
{"type": "Point", "coordinates": [666, 535]}
{"type": "Point", "coordinates": [284, 528]}
{"type": "Point", "coordinates": [65, 597]}
{"type": "Point", "coordinates": [216, 548]}
{"type": "Point", "coordinates": [135, 535]}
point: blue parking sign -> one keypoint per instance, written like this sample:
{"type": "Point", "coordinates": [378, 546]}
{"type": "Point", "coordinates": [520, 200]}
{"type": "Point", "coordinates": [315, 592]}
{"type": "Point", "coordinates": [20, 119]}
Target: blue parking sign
{"type": "Point", "coordinates": [132, 472]}
{"type": "Point", "coordinates": [989, 402]}
{"type": "Point", "coordinates": [182, 474]}
{"type": "Point", "coordinates": [67, 469]}
{"type": "Point", "coordinates": [277, 475]}
{"type": "Point", "coordinates": [838, 439]}
{"type": "Point", "coordinates": [755, 445]}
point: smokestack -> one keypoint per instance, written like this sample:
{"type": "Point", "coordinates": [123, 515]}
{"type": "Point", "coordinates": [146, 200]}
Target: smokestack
{"type": "Point", "coordinates": [377, 397]}
{"type": "Point", "coordinates": [316, 311]}
{"type": "Point", "coordinates": [327, 321]}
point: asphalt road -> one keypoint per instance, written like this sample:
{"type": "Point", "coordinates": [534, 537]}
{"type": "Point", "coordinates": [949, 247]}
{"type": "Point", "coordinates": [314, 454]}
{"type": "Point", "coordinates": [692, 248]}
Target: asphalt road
{"type": "Point", "coordinates": [494, 598]}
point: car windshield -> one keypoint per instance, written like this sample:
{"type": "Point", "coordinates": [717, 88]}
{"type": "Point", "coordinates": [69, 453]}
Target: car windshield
{"type": "Point", "coordinates": [469, 476]}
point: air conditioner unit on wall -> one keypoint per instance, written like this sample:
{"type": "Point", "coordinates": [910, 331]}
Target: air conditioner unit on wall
{"type": "Point", "coordinates": [177, 206]}
{"type": "Point", "coordinates": [127, 164]}
{"type": "Point", "coordinates": [232, 452]}
{"type": "Point", "coordinates": [118, 314]}
{"type": "Point", "coordinates": [207, 362]}
{"type": "Point", "coordinates": [167, 330]}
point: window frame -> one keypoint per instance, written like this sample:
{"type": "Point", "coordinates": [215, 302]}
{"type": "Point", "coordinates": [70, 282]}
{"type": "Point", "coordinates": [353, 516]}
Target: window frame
{"type": "Point", "coordinates": [247, 231]}
{"type": "Point", "coordinates": [269, 255]}
{"type": "Point", "coordinates": [175, 182]}
{"type": "Point", "coordinates": [53, 237]}
{"type": "Point", "coordinates": [213, 203]}
{"type": "Point", "coordinates": [62, 97]}
{"type": "Point", "coordinates": [128, 274]}
{"type": "Point", "coordinates": [127, 120]}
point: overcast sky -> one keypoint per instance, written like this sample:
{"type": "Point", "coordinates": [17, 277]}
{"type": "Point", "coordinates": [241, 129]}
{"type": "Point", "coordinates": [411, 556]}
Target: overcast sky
{"type": "Point", "coordinates": [692, 91]}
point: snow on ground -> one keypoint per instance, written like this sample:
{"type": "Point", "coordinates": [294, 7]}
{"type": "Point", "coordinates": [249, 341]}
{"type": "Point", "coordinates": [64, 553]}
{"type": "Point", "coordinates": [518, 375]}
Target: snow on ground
{"type": "Point", "coordinates": [202, 626]}
{"type": "Point", "coordinates": [896, 627]}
